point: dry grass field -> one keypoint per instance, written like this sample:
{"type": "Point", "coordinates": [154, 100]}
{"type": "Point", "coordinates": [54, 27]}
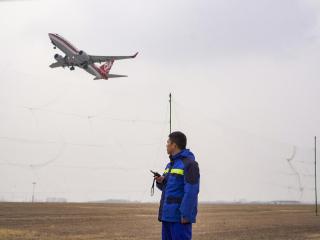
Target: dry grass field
{"type": "Point", "coordinates": [87, 221]}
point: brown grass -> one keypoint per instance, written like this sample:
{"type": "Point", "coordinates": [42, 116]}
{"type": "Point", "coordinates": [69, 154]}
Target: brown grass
{"type": "Point", "coordinates": [79, 221]}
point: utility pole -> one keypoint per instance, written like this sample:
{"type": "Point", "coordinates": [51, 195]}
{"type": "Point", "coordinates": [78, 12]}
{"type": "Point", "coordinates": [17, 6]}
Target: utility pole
{"type": "Point", "coordinates": [170, 111]}
{"type": "Point", "coordinates": [315, 174]}
{"type": "Point", "coordinates": [34, 186]}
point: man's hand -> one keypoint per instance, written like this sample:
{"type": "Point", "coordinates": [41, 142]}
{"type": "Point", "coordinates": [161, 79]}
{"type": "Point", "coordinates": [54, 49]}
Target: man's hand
{"type": "Point", "coordinates": [184, 220]}
{"type": "Point", "coordinates": [159, 179]}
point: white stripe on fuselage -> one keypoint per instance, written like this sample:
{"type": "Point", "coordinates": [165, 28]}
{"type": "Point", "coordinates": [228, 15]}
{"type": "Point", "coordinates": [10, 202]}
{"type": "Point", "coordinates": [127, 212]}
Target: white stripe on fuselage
{"type": "Point", "coordinates": [95, 70]}
{"type": "Point", "coordinates": [62, 42]}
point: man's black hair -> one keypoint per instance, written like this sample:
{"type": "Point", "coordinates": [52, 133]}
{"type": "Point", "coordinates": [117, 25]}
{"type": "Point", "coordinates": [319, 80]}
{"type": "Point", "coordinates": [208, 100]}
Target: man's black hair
{"type": "Point", "coordinates": [178, 138]}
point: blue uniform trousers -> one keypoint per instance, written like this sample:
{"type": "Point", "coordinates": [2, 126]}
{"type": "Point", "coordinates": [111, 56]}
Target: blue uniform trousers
{"type": "Point", "coordinates": [176, 231]}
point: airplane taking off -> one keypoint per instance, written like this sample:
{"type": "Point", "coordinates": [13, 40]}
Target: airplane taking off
{"type": "Point", "coordinates": [74, 57]}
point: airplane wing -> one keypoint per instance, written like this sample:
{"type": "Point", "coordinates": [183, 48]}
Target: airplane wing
{"type": "Point", "coordinates": [100, 59]}
{"type": "Point", "coordinates": [55, 65]}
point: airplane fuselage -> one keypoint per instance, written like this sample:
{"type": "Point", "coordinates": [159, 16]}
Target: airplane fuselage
{"type": "Point", "coordinates": [74, 57]}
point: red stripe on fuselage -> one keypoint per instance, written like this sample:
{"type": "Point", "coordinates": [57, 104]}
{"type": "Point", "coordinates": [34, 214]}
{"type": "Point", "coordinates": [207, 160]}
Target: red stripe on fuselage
{"type": "Point", "coordinates": [68, 44]}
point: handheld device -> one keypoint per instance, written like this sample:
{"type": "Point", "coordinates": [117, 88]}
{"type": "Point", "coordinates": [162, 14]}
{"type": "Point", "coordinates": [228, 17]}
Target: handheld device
{"type": "Point", "coordinates": [155, 174]}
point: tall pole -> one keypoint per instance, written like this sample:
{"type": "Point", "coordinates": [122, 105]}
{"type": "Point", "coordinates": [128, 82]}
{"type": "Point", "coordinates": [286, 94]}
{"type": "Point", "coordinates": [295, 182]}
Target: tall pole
{"type": "Point", "coordinates": [170, 111]}
{"type": "Point", "coordinates": [34, 185]}
{"type": "Point", "coordinates": [315, 174]}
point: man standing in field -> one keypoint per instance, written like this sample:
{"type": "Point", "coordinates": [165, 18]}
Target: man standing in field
{"type": "Point", "coordinates": [180, 187]}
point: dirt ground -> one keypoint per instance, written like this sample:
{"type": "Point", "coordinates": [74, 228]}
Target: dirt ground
{"type": "Point", "coordinates": [48, 221]}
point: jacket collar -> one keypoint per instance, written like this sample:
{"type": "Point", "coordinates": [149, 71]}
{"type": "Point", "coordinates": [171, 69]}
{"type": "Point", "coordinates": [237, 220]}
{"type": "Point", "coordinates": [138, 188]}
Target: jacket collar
{"type": "Point", "coordinates": [183, 153]}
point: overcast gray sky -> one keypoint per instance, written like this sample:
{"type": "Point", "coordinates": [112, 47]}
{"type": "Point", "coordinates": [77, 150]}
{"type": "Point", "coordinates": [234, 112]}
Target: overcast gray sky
{"type": "Point", "coordinates": [244, 76]}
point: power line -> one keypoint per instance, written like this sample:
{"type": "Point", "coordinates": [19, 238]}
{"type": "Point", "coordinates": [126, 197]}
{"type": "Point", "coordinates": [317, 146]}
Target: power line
{"type": "Point", "coordinates": [41, 141]}
{"type": "Point", "coordinates": [204, 115]}
{"type": "Point", "coordinates": [89, 117]}
{"type": "Point", "coordinates": [296, 173]}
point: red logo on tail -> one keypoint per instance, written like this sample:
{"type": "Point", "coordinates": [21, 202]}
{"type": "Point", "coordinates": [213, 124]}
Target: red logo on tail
{"type": "Point", "coordinates": [105, 68]}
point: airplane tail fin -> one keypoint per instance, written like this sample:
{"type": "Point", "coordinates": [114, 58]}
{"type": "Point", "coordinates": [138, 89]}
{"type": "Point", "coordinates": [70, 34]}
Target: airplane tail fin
{"type": "Point", "coordinates": [105, 68]}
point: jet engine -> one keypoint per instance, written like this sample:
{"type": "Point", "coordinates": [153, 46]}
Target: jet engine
{"type": "Point", "coordinates": [83, 59]}
{"type": "Point", "coordinates": [59, 59]}
{"type": "Point", "coordinates": [83, 56]}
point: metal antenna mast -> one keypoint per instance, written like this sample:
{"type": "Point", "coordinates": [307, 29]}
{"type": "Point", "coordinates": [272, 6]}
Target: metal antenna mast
{"type": "Point", "coordinates": [170, 110]}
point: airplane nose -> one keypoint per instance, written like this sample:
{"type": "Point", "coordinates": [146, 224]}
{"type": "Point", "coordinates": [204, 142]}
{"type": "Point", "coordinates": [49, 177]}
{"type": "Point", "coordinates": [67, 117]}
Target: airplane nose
{"type": "Point", "coordinates": [51, 35]}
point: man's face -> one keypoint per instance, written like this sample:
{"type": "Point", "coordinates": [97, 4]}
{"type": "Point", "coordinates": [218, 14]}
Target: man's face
{"type": "Point", "coordinates": [171, 147]}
